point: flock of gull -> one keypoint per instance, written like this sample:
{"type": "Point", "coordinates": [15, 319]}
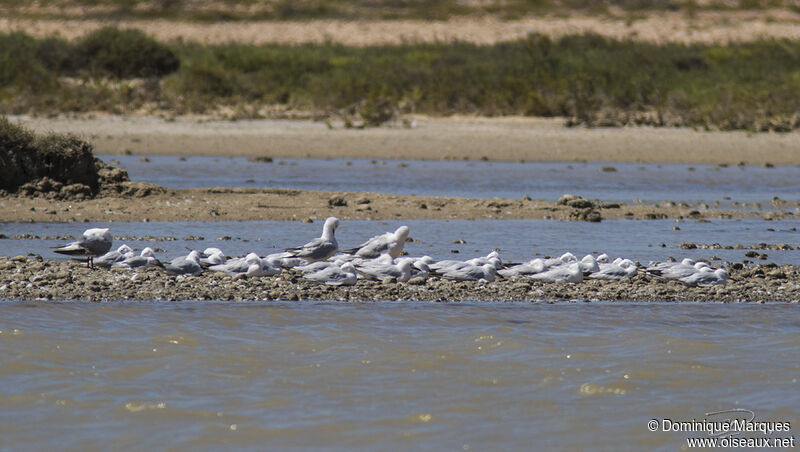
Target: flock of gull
{"type": "Point", "coordinates": [381, 258]}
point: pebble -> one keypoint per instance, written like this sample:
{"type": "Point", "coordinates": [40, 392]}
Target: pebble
{"type": "Point", "coordinates": [28, 279]}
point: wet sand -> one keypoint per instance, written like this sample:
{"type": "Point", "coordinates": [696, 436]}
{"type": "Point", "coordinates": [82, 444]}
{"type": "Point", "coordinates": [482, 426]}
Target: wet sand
{"type": "Point", "coordinates": [32, 278]}
{"type": "Point", "coordinates": [471, 138]}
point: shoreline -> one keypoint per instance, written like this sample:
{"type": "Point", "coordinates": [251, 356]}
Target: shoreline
{"type": "Point", "coordinates": [36, 279]}
{"type": "Point", "coordinates": [433, 138]}
{"type": "Point", "coordinates": [254, 204]}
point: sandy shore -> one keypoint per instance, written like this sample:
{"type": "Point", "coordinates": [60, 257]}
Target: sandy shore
{"type": "Point", "coordinates": [658, 27]}
{"type": "Point", "coordinates": [33, 278]}
{"type": "Point", "coordinates": [473, 138]}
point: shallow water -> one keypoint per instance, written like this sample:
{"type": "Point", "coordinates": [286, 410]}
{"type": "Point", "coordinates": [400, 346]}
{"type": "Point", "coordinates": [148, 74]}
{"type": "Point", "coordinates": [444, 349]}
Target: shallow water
{"type": "Point", "coordinates": [387, 375]}
{"type": "Point", "coordinates": [539, 180]}
{"type": "Point", "coordinates": [516, 240]}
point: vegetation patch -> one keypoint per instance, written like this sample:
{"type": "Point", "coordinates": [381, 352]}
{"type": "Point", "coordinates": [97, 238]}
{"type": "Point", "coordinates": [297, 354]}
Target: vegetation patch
{"type": "Point", "coordinates": [591, 80]}
{"type": "Point", "coordinates": [58, 166]}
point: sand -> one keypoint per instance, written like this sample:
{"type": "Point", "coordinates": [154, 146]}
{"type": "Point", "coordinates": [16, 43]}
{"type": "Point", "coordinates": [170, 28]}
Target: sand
{"type": "Point", "coordinates": [473, 138]}
{"type": "Point", "coordinates": [658, 27]}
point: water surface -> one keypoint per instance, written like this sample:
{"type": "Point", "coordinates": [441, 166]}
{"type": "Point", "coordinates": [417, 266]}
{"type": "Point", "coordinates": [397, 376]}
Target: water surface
{"type": "Point", "coordinates": [389, 375]}
{"type": "Point", "coordinates": [516, 240]}
{"type": "Point", "coordinates": [622, 182]}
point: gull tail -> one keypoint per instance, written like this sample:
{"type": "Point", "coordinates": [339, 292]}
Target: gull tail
{"type": "Point", "coordinates": [71, 250]}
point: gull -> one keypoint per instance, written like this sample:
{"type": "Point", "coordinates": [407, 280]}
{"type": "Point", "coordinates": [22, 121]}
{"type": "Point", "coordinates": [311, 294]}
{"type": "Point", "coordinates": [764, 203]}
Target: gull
{"type": "Point", "coordinates": [318, 266]}
{"type": "Point", "coordinates": [527, 268]}
{"type": "Point", "coordinates": [588, 265]}
{"type": "Point", "coordinates": [250, 265]}
{"type": "Point", "coordinates": [212, 256]}
{"type": "Point", "coordinates": [95, 242]}
{"type": "Point", "coordinates": [284, 259]}
{"type": "Point", "coordinates": [565, 258]}
{"type": "Point", "coordinates": [112, 257]}
{"type": "Point", "coordinates": [491, 258]}
{"type": "Point", "coordinates": [382, 270]}
{"type": "Point", "coordinates": [321, 248]}
{"type": "Point", "coordinates": [335, 275]}
{"type": "Point", "coordinates": [672, 270]}
{"type": "Point", "coordinates": [706, 277]}
{"type": "Point", "coordinates": [390, 243]}
{"type": "Point", "coordinates": [146, 259]}
{"type": "Point", "coordinates": [567, 273]}
{"type": "Point", "coordinates": [420, 269]}
{"type": "Point", "coordinates": [185, 265]}
{"type": "Point", "coordinates": [469, 272]}
{"type": "Point", "coordinates": [447, 264]}
{"type": "Point", "coordinates": [620, 268]}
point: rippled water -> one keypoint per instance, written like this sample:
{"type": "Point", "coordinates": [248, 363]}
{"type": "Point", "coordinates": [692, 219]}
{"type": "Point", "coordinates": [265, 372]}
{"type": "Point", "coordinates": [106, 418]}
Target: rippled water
{"type": "Point", "coordinates": [517, 240]}
{"type": "Point", "coordinates": [386, 375]}
{"type": "Point", "coordinates": [539, 180]}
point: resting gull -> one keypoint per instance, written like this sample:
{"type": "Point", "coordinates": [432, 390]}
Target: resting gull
{"type": "Point", "coordinates": [620, 268]}
{"type": "Point", "coordinates": [185, 265]}
{"type": "Point", "coordinates": [567, 273]}
{"type": "Point", "coordinates": [470, 272]}
{"type": "Point", "coordinates": [112, 257]}
{"type": "Point", "coordinates": [527, 268]}
{"type": "Point", "coordinates": [390, 243]}
{"type": "Point", "coordinates": [146, 259]}
{"type": "Point", "coordinates": [335, 276]}
{"type": "Point", "coordinates": [382, 270]}
{"type": "Point", "coordinates": [706, 277]}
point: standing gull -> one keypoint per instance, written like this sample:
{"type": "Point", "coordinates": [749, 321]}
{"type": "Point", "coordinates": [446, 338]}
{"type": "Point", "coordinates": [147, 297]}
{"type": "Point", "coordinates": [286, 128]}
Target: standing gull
{"type": "Point", "coordinates": [390, 243]}
{"type": "Point", "coordinates": [95, 242]}
{"type": "Point", "coordinates": [321, 248]}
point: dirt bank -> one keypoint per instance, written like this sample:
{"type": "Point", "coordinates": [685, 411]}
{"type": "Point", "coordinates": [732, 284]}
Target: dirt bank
{"type": "Point", "coordinates": [32, 278]}
{"type": "Point", "coordinates": [509, 138]}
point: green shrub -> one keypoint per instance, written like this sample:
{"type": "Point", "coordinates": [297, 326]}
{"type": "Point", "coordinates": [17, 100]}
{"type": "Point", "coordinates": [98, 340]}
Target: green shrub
{"type": "Point", "coordinates": [110, 51]}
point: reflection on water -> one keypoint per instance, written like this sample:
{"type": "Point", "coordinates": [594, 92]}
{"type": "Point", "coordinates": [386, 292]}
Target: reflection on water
{"type": "Point", "coordinates": [386, 375]}
{"type": "Point", "coordinates": [539, 180]}
{"type": "Point", "coordinates": [517, 240]}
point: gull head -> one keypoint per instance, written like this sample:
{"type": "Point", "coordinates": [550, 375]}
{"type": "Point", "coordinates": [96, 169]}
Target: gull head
{"type": "Point", "coordinates": [401, 233]}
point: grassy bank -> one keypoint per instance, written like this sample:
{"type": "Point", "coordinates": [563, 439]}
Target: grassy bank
{"type": "Point", "coordinates": [590, 79]}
